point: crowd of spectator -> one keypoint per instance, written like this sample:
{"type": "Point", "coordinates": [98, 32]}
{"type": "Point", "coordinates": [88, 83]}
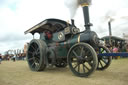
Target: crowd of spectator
{"type": "Point", "coordinates": [118, 48]}
{"type": "Point", "coordinates": [12, 57]}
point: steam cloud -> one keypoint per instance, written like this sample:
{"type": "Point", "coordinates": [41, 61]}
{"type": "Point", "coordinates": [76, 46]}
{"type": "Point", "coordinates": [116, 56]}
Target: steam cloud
{"type": "Point", "coordinates": [74, 4]}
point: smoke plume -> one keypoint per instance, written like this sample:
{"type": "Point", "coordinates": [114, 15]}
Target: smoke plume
{"type": "Point", "coordinates": [72, 5]}
{"type": "Point", "coordinates": [109, 16]}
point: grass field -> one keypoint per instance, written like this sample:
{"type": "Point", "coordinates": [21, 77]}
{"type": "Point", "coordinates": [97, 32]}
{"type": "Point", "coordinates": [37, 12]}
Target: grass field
{"type": "Point", "coordinates": [18, 73]}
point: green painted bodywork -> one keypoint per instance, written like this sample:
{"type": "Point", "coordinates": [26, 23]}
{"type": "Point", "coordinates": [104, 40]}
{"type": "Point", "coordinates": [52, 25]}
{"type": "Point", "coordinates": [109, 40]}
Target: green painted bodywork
{"type": "Point", "coordinates": [63, 48]}
{"type": "Point", "coordinates": [63, 37]}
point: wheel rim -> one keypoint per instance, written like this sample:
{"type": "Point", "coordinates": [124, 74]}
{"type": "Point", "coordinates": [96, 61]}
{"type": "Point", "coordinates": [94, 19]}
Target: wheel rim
{"type": "Point", "coordinates": [82, 60]}
{"type": "Point", "coordinates": [103, 61]}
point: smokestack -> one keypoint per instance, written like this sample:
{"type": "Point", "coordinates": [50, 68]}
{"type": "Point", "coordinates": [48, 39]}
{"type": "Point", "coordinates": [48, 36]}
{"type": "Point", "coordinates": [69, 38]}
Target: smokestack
{"type": "Point", "coordinates": [109, 26]}
{"type": "Point", "coordinates": [85, 4]}
{"type": "Point", "coordinates": [110, 31]}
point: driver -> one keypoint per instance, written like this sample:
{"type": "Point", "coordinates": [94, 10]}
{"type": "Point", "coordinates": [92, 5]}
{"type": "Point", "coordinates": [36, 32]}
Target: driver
{"type": "Point", "coordinates": [48, 35]}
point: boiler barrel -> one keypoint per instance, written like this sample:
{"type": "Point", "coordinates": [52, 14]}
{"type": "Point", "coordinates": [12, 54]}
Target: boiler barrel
{"type": "Point", "coordinates": [82, 37]}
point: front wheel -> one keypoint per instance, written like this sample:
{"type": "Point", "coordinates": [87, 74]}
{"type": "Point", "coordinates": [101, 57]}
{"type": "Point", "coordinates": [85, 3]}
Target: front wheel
{"type": "Point", "coordinates": [82, 59]}
{"type": "Point", "coordinates": [103, 61]}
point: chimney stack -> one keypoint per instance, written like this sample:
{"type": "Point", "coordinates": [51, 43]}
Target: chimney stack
{"type": "Point", "coordinates": [109, 25]}
{"type": "Point", "coordinates": [85, 4]}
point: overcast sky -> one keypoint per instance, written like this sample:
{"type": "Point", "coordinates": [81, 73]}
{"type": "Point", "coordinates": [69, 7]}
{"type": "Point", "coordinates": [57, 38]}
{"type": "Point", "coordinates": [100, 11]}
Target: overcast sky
{"type": "Point", "coordinates": [16, 16]}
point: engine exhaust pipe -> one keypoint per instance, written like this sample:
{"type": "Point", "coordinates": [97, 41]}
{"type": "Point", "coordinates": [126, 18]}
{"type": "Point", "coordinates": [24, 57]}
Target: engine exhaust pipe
{"type": "Point", "coordinates": [109, 26]}
{"type": "Point", "coordinates": [72, 21]}
{"type": "Point", "coordinates": [85, 4]}
{"type": "Point", "coordinates": [110, 32]}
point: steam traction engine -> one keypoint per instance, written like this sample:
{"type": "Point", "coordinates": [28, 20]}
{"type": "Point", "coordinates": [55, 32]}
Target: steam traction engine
{"type": "Point", "coordinates": [62, 44]}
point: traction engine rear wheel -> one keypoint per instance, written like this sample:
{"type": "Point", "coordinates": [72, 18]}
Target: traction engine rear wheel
{"type": "Point", "coordinates": [82, 59]}
{"type": "Point", "coordinates": [36, 55]}
{"type": "Point", "coordinates": [103, 61]}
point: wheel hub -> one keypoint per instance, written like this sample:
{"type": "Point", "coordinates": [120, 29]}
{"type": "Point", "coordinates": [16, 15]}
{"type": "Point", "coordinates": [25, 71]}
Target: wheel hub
{"type": "Point", "coordinates": [80, 60]}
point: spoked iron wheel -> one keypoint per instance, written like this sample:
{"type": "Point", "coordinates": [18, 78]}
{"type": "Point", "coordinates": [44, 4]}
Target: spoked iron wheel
{"type": "Point", "coordinates": [82, 59]}
{"type": "Point", "coordinates": [103, 61]}
{"type": "Point", "coordinates": [36, 55]}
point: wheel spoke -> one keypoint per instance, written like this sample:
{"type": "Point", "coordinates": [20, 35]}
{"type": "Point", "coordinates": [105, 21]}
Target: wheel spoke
{"type": "Point", "coordinates": [38, 60]}
{"type": "Point", "coordinates": [86, 67]}
{"type": "Point", "coordinates": [75, 53]}
{"type": "Point", "coordinates": [81, 51]}
{"type": "Point", "coordinates": [88, 53]}
{"type": "Point", "coordinates": [102, 51]}
{"type": "Point", "coordinates": [104, 61]}
{"type": "Point", "coordinates": [36, 65]}
{"type": "Point", "coordinates": [78, 67]}
{"type": "Point", "coordinates": [30, 52]}
{"type": "Point", "coordinates": [33, 64]}
{"type": "Point", "coordinates": [91, 64]}
{"type": "Point", "coordinates": [101, 64]}
{"type": "Point", "coordinates": [83, 68]}
{"type": "Point", "coordinates": [88, 58]}
{"type": "Point", "coordinates": [33, 47]}
{"type": "Point", "coordinates": [38, 51]}
{"type": "Point", "coordinates": [38, 57]}
{"type": "Point", "coordinates": [30, 59]}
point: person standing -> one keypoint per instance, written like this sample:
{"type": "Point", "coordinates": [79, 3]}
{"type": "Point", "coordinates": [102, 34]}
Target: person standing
{"type": "Point", "coordinates": [14, 58]}
{"type": "Point", "coordinates": [115, 50]}
{"type": "Point", "coordinates": [127, 48]}
{"type": "Point", "coordinates": [0, 58]}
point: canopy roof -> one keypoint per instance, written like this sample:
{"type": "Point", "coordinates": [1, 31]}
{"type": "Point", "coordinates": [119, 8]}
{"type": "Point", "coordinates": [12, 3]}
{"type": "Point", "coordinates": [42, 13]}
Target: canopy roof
{"type": "Point", "coordinates": [52, 25]}
{"type": "Point", "coordinates": [113, 38]}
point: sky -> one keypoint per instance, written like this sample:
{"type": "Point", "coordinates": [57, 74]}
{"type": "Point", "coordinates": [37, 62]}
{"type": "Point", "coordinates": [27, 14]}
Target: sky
{"type": "Point", "coordinates": [16, 16]}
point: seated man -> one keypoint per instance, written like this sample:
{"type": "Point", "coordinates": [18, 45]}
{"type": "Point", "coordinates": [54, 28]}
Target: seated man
{"type": "Point", "coordinates": [48, 35]}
